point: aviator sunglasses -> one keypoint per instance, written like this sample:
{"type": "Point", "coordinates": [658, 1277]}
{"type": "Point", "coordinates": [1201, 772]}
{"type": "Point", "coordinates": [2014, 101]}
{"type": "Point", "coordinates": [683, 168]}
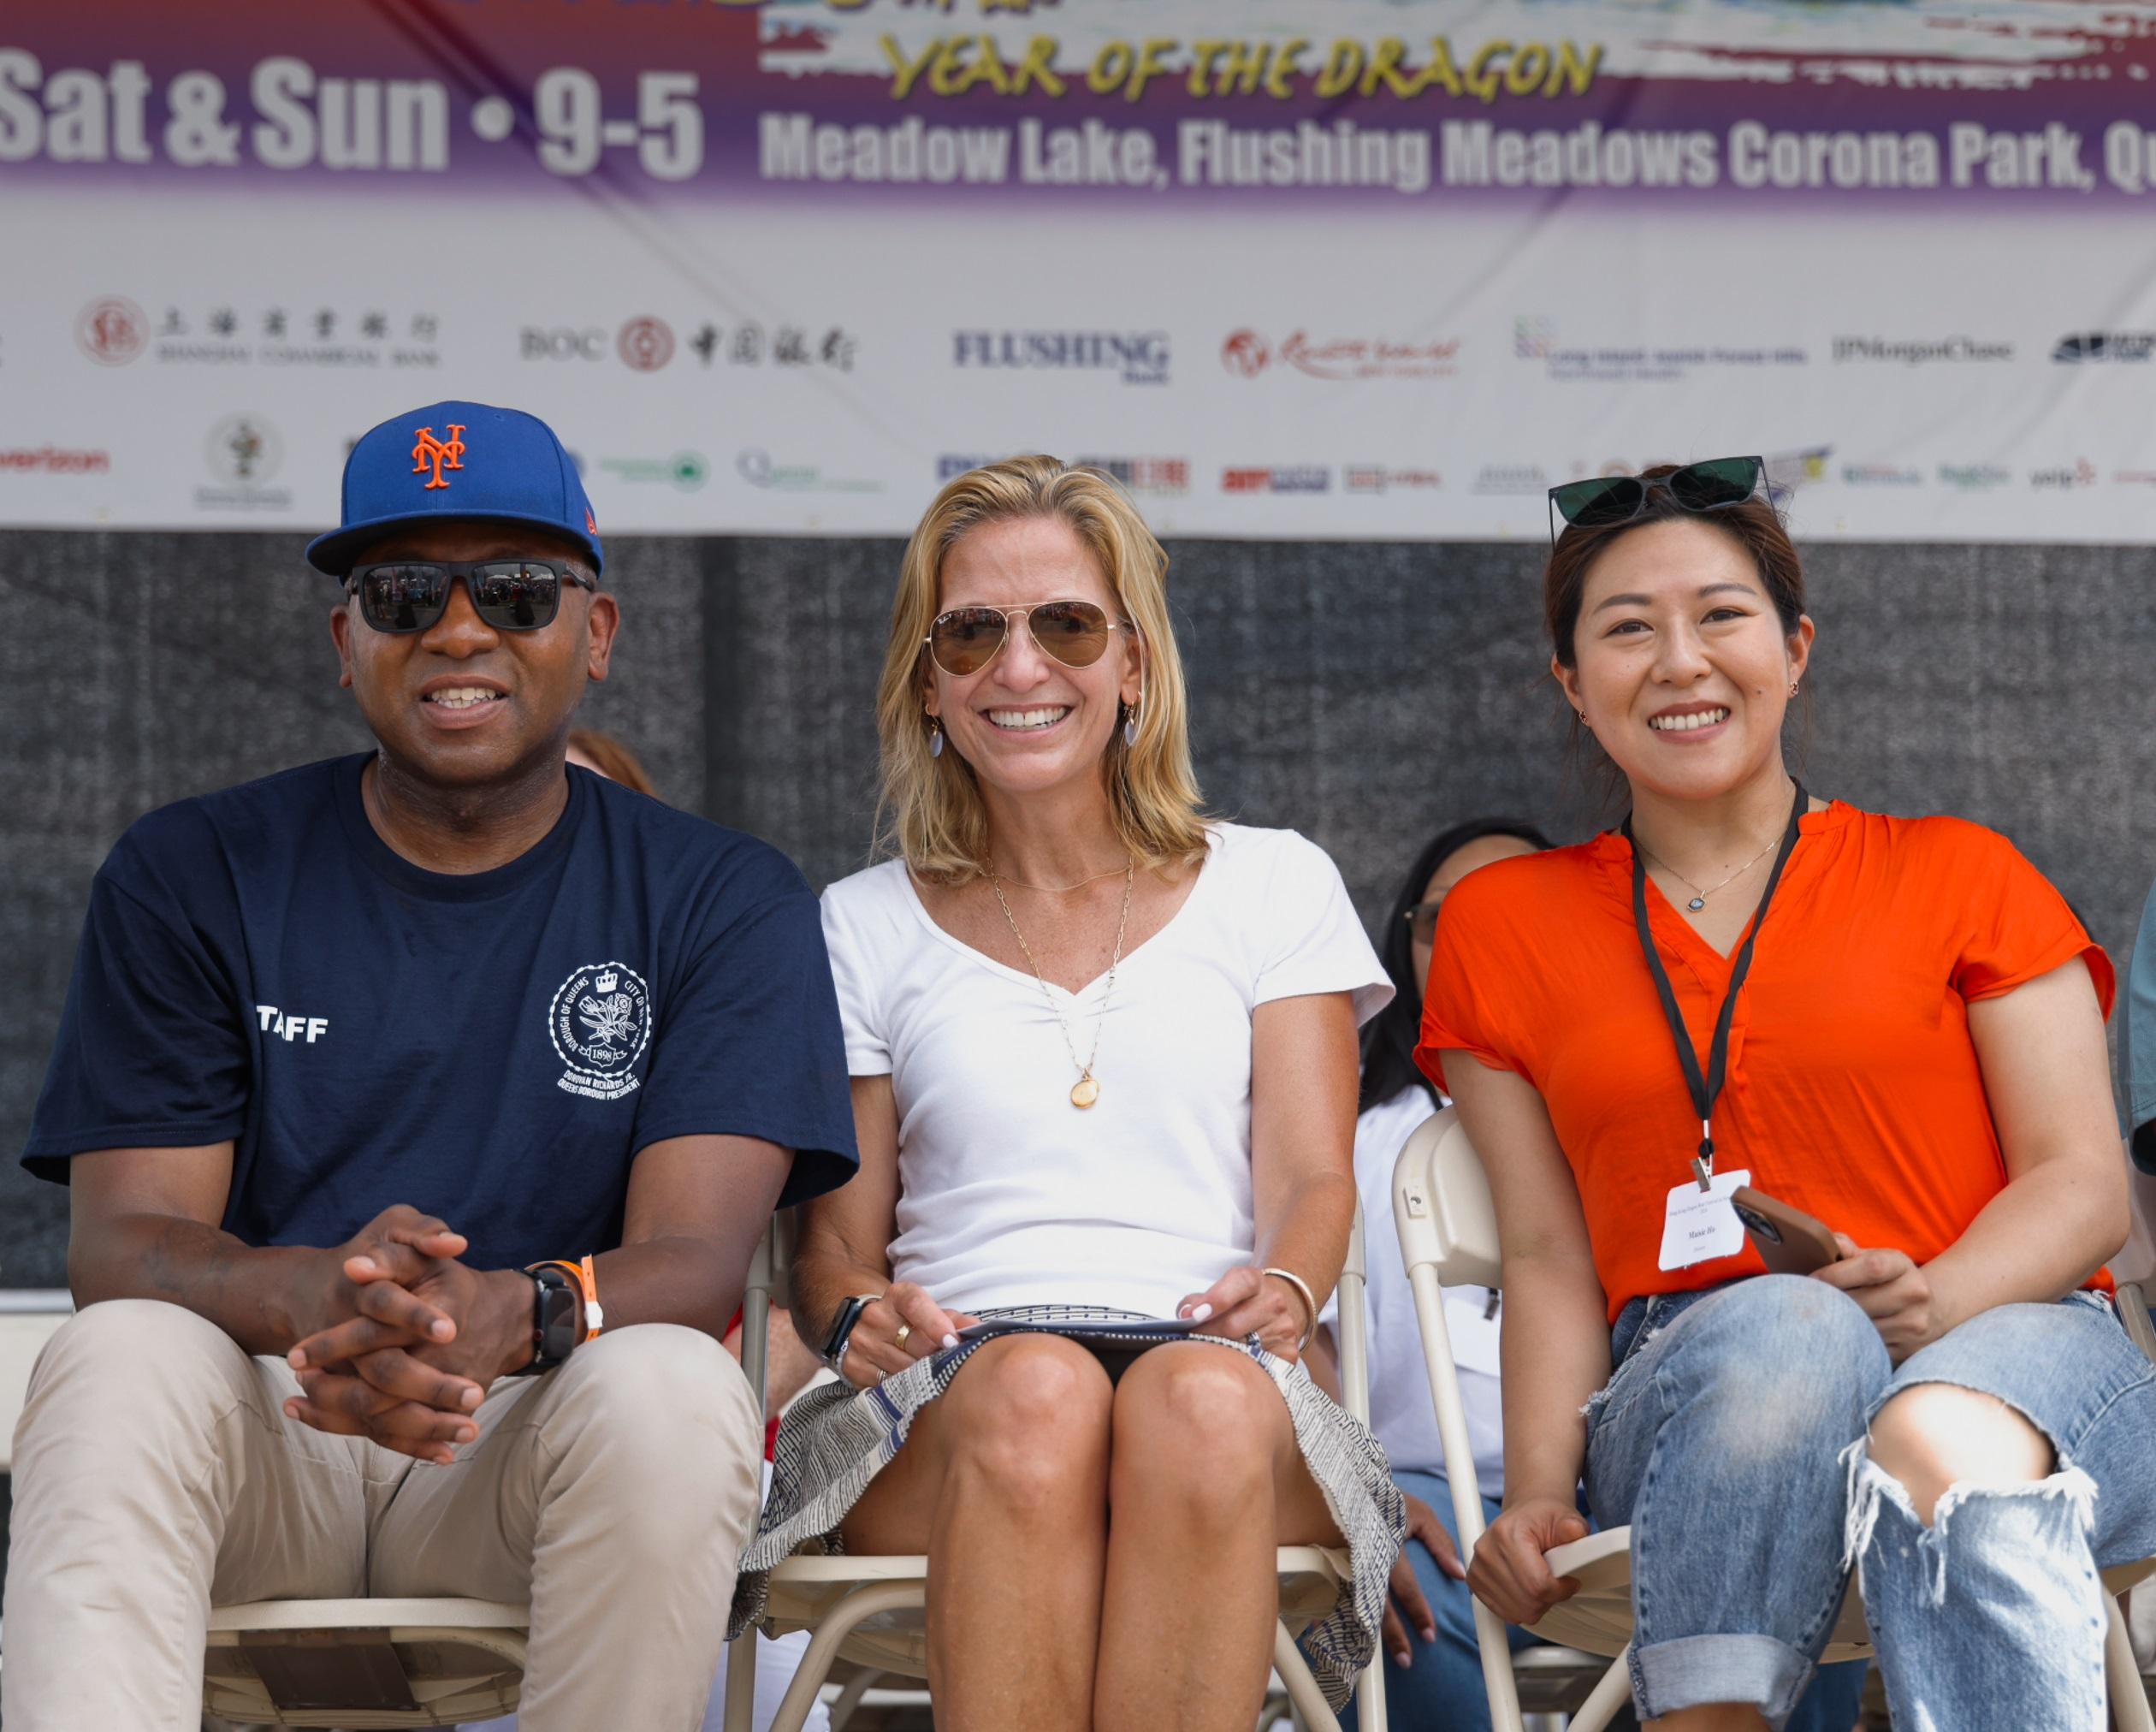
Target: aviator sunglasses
{"type": "Point", "coordinates": [965, 640]}
{"type": "Point", "coordinates": [401, 596]}
{"type": "Point", "coordinates": [1715, 484]}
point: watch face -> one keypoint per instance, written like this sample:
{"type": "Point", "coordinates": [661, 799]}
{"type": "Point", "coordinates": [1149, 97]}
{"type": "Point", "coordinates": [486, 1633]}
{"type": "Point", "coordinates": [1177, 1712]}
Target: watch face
{"type": "Point", "coordinates": [557, 1323]}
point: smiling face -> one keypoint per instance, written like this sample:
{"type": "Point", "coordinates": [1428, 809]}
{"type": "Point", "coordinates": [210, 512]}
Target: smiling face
{"type": "Point", "coordinates": [1680, 663]}
{"type": "Point", "coordinates": [461, 704]}
{"type": "Point", "coordinates": [1026, 723]}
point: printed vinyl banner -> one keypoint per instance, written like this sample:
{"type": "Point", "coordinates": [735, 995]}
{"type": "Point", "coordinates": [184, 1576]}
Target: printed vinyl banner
{"type": "Point", "coordinates": [1334, 269]}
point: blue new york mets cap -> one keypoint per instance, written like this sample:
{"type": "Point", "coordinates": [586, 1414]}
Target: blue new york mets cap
{"type": "Point", "coordinates": [458, 461]}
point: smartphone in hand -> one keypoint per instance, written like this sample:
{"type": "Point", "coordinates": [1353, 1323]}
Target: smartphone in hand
{"type": "Point", "coordinates": [1789, 1241]}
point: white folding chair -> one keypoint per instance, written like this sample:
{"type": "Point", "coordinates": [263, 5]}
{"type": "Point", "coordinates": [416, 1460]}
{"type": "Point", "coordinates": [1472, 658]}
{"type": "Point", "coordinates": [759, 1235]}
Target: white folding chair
{"type": "Point", "coordinates": [360, 1664]}
{"type": "Point", "coordinates": [1449, 1237]}
{"type": "Point", "coordinates": [869, 1609]}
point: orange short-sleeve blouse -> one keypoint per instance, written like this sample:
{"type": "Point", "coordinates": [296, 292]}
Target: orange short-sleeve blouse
{"type": "Point", "coordinates": [1853, 1089]}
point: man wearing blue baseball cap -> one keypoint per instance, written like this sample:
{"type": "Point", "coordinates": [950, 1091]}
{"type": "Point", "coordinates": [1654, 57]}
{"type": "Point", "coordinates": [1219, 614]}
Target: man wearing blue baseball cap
{"type": "Point", "coordinates": [423, 1110]}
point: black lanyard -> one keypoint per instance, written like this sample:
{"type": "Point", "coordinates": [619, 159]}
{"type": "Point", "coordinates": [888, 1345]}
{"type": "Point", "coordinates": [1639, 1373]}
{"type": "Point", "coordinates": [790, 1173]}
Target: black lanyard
{"type": "Point", "coordinates": [1707, 1090]}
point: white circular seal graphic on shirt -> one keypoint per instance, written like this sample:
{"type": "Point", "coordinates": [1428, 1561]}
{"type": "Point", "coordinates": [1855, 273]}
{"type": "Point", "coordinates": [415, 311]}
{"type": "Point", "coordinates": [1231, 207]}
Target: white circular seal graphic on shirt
{"type": "Point", "coordinates": [599, 1024]}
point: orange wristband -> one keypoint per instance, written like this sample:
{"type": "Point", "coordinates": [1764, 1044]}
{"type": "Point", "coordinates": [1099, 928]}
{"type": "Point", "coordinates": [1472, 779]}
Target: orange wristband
{"type": "Point", "coordinates": [587, 1280]}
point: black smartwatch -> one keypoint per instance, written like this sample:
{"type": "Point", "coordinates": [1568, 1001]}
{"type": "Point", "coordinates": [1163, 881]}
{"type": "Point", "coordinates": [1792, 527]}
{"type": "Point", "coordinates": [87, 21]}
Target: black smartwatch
{"type": "Point", "coordinates": [842, 1328]}
{"type": "Point", "coordinates": [554, 1319]}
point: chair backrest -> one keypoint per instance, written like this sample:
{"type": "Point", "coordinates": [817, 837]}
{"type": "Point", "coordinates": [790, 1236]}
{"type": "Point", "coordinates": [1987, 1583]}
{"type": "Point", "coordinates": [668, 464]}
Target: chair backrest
{"type": "Point", "coordinates": [1441, 1203]}
{"type": "Point", "coordinates": [1354, 1323]}
{"type": "Point", "coordinates": [29, 1317]}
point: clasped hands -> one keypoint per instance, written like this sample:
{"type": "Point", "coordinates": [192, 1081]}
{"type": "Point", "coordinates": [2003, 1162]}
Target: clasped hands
{"type": "Point", "coordinates": [906, 1325]}
{"type": "Point", "coordinates": [399, 1340]}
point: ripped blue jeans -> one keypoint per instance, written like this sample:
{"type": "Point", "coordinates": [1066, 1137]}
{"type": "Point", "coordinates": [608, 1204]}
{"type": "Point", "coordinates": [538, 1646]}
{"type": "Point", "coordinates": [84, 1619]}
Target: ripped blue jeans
{"type": "Point", "coordinates": [1731, 1438]}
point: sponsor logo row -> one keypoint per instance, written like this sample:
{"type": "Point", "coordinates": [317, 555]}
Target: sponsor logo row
{"type": "Point", "coordinates": [243, 454]}
{"type": "Point", "coordinates": [115, 331]}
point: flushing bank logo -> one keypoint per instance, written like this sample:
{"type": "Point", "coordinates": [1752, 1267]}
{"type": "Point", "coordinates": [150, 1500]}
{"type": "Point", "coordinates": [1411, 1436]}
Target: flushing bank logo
{"type": "Point", "coordinates": [1138, 357]}
{"type": "Point", "coordinates": [599, 1023]}
{"type": "Point", "coordinates": [1289, 477]}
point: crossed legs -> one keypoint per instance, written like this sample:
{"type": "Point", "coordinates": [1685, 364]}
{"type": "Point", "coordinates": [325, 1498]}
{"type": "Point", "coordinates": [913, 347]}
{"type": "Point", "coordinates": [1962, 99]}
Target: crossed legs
{"type": "Point", "coordinates": [1100, 1556]}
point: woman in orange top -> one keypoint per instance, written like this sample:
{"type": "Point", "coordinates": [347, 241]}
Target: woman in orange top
{"type": "Point", "coordinates": [1894, 1025]}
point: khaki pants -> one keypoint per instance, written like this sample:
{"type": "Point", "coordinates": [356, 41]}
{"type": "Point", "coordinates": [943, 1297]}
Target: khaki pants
{"type": "Point", "coordinates": [155, 1475]}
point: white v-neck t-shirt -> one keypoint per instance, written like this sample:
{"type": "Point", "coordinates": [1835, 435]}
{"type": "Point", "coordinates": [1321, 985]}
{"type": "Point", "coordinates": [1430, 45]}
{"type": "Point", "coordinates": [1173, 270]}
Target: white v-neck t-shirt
{"type": "Point", "coordinates": [1010, 1196]}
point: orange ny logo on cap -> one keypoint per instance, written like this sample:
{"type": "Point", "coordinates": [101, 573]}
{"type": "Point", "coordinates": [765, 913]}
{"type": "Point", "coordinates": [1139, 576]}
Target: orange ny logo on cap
{"type": "Point", "coordinates": [591, 523]}
{"type": "Point", "coordinates": [442, 455]}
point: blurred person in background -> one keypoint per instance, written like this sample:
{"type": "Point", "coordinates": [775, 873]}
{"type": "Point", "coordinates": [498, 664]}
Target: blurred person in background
{"type": "Point", "coordinates": [1909, 1020]}
{"type": "Point", "coordinates": [422, 1111]}
{"type": "Point", "coordinates": [1103, 1053]}
{"type": "Point", "coordinates": [1436, 1676]}
{"type": "Point", "coordinates": [603, 755]}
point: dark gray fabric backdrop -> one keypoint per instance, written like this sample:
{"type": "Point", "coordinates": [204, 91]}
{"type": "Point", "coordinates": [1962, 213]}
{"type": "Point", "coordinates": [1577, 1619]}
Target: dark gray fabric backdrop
{"type": "Point", "coordinates": [1363, 694]}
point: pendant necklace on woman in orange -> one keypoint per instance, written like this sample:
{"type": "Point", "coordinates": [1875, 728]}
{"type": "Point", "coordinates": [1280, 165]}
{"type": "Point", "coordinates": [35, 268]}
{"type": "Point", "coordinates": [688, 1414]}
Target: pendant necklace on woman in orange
{"type": "Point", "coordinates": [1086, 1090]}
{"type": "Point", "coordinates": [1699, 896]}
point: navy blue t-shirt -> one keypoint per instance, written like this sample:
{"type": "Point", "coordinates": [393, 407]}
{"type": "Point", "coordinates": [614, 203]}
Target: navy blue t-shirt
{"type": "Point", "coordinates": [493, 1048]}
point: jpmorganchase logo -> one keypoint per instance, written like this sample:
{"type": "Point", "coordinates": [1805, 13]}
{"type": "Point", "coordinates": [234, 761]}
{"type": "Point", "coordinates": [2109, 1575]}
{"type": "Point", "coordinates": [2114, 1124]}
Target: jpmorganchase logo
{"type": "Point", "coordinates": [1290, 478]}
{"type": "Point", "coordinates": [1247, 354]}
{"type": "Point", "coordinates": [1917, 352]}
{"type": "Point", "coordinates": [1141, 358]}
{"type": "Point", "coordinates": [599, 1023]}
{"type": "Point", "coordinates": [2105, 346]}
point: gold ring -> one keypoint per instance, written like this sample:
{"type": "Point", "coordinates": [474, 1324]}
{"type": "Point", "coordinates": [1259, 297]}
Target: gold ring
{"type": "Point", "coordinates": [904, 1329]}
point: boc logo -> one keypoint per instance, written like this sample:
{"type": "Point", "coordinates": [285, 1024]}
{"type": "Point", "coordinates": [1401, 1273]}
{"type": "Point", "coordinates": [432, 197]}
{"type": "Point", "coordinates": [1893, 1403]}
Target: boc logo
{"type": "Point", "coordinates": [599, 1023]}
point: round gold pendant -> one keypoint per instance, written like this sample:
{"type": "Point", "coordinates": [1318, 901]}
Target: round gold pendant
{"type": "Point", "coordinates": [1084, 1092]}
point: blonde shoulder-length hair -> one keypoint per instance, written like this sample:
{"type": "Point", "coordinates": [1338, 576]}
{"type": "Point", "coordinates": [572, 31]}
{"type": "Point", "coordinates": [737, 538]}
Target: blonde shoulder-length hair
{"type": "Point", "coordinates": [930, 811]}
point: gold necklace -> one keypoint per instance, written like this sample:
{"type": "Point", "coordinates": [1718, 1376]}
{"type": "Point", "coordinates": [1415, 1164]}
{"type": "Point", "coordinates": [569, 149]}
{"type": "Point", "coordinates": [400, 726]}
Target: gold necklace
{"type": "Point", "coordinates": [1058, 889]}
{"type": "Point", "coordinates": [1086, 1090]}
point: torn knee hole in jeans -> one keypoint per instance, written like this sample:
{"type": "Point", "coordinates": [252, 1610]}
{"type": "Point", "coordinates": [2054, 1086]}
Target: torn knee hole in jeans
{"type": "Point", "coordinates": [1869, 1484]}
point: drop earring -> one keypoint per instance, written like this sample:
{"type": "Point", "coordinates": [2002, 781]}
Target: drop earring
{"type": "Point", "coordinates": [1582, 718]}
{"type": "Point", "coordinates": [1793, 688]}
{"type": "Point", "coordinates": [935, 737]}
{"type": "Point", "coordinates": [1130, 721]}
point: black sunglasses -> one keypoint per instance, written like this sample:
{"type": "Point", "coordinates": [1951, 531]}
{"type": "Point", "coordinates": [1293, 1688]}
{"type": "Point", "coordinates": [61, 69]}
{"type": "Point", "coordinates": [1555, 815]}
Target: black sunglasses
{"type": "Point", "coordinates": [1716, 484]}
{"type": "Point", "coordinates": [401, 596]}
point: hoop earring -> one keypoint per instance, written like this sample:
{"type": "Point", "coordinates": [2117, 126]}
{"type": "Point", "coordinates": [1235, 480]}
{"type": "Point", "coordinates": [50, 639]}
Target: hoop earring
{"type": "Point", "coordinates": [1793, 688]}
{"type": "Point", "coordinates": [1583, 718]}
{"type": "Point", "coordinates": [935, 737]}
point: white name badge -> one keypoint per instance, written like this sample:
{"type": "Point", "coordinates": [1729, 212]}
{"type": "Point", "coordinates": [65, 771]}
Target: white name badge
{"type": "Point", "coordinates": [1699, 1225]}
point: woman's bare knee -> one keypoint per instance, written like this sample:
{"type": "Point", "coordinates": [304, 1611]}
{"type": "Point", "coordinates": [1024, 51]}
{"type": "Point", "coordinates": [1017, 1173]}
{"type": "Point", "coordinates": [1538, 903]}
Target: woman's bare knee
{"type": "Point", "coordinates": [1027, 1419]}
{"type": "Point", "coordinates": [1938, 1434]}
{"type": "Point", "coordinates": [1200, 1419]}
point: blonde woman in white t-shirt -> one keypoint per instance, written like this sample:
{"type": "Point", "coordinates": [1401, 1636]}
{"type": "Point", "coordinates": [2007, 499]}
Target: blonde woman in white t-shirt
{"type": "Point", "coordinates": [1104, 1067]}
